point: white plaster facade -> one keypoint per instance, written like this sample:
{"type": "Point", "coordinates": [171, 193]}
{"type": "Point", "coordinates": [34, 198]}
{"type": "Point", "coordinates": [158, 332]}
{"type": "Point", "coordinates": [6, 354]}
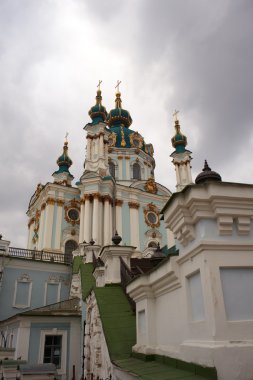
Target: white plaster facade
{"type": "Point", "coordinates": [198, 306]}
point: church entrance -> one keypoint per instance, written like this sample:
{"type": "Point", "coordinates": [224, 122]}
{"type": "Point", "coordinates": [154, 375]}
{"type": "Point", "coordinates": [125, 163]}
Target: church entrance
{"type": "Point", "coordinates": [70, 246]}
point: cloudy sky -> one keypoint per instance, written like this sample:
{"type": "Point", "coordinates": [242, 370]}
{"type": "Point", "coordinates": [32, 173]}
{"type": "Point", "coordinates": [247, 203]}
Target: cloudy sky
{"type": "Point", "coordinates": [191, 55]}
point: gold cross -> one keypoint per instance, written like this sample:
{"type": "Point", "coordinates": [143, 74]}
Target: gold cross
{"type": "Point", "coordinates": [117, 86]}
{"type": "Point", "coordinates": [66, 137]}
{"type": "Point", "coordinates": [175, 115]}
{"type": "Point", "coordinates": [99, 83]}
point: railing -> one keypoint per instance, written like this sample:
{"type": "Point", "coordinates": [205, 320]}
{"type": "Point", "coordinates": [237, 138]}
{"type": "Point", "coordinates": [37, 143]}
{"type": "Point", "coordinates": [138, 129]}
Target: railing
{"type": "Point", "coordinates": [31, 254]}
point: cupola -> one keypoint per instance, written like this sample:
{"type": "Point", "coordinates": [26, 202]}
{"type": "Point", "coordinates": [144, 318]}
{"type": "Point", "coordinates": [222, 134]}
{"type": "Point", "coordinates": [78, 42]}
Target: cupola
{"type": "Point", "coordinates": [207, 175]}
{"type": "Point", "coordinates": [118, 116]}
{"type": "Point", "coordinates": [179, 141]}
{"type": "Point", "coordinates": [98, 112]}
{"type": "Point", "coordinates": [62, 175]}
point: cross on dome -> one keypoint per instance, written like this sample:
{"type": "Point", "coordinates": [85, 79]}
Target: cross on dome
{"type": "Point", "coordinates": [117, 85]}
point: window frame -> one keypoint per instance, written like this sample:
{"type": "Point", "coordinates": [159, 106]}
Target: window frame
{"type": "Point", "coordinates": [55, 332]}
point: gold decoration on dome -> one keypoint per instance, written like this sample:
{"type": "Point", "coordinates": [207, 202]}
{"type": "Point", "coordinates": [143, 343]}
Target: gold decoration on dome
{"type": "Point", "coordinates": [150, 186]}
{"type": "Point", "coordinates": [136, 140]}
{"type": "Point", "coordinates": [112, 139]}
{"type": "Point", "coordinates": [123, 142]}
{"type": "Point", "coordinates": [72, 212]}
{"type": "Point", "coordinates": [151, 215]}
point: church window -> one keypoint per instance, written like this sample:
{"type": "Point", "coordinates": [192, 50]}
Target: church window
{"type": "Point", "coordinates": [73, 214]}
{"type": "Point", "coordinates": [152, 217]}
{"type": "Point", "coordinates": [152, 244]}
{"type": "Point", "coordinates": [136, 171]}
{"type": "Point", "coordinates": [53, 349]}
{"type": "Point", "coordinates": [112, 169]}
{"type": "Point", "coordinates": [70, 246]}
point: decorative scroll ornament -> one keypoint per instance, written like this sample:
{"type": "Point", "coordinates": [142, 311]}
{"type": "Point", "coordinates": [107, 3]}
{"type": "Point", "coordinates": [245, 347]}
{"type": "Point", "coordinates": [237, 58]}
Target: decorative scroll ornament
{"type": "Point", "coordinates": [112, 139]}
{"type": "Point", "coordinates": [72, 212]}
{"type": "Point", "coordinates": [150, 186]}
{"type": "Point", "coordinates": [151, 215]}
{"type": "Point", "coordinates": [149, 149]}
{"type": "Point", "coordinates": [136, 140]}
{"type": "Point", "coordinates": [123, 142]}
{"type": "Point", "coordinates": [36, 226]}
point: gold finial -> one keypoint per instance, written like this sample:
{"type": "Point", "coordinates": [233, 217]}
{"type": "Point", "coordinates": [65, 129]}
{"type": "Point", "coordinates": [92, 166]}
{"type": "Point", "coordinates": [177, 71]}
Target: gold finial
{"type": "Point", "coordinates": [66, 139]}
{"type": "Point", "coordinates": [175, 115]}
{"type": "Point", "coordinates": [99, 83]}
{"type": "Point", "coordinates": [117, 86]}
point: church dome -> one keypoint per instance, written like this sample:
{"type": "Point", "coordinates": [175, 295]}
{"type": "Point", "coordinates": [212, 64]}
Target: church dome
{"type": "Point", "coordinates": [207, 175]}
{"type": "Point", "coordinates": [64, 161]}
{"type": "Point", "coordinates": [98, 112]}
{"type": "Point", "coordinates": [118, 116]}
{"type": "Point", "coordinates": [179, 141]}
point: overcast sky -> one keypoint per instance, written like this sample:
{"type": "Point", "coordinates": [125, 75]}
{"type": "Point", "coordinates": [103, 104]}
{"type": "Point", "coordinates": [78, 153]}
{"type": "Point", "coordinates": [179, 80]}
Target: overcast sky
{"type": "Point", "coordinates": [191, 55]}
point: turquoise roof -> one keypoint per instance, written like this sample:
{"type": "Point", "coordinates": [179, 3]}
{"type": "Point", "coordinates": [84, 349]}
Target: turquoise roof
{"type": "Point", "coordinates": [118, 116]}
{"type": "Point", "coordinates": [179, 141]}
{"type": "Point", "coordinates": [98, 112]}
{"type": "Point", "coordinates": [64, 161]}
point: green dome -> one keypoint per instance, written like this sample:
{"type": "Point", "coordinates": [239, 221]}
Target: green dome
{"type": "Point", "coordinates": [118, 116]}
{"type": "Point", "coordinates": [98, 112]}
{"type": "Point", "coordinates": [179, 141]}
{"type": "Point", "coordinates": [64, 161]}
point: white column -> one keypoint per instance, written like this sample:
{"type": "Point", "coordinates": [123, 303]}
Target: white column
{"type": "Point", "coordinates": [120, 168]}
{"type": "Point", "coordinates": [101, 224]}
{"type": "Point", "coordinates": [95, 219]}
{"type": "Point", "coordinates": [58, 226]}
{"type": "Point", "coordinates": [81, 239]}
{"type": "Point", "coordinates": [30, 235]}
{"type": "Point", "coordinates": [128, 175]}
{"type": "Point", "coordinates": [87, 220]}
{"type": "Point", "coordinates": [101, 145]}
{"type": "Point", "coordinates": [41, 228]}
{"type": "Point", "coordinates": [119, 203]}
{"type": "Point", "coordinates": [134, 224]}
{"type": "Point", "coordinates": [106, 221]}
{"type": "Point", "coordinates": [88, 152]}
{"type": "Point", "coordinates": [47, 244]}
{"type": "Point", "coordinates": [189, 173]}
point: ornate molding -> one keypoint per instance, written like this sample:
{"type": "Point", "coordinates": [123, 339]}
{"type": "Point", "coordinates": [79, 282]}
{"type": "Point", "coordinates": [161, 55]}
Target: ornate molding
{"type": "Point", "coordinates": [50, 201]}
{"type": "Point", "coordinates": [150, 186]}
{"type": "Point", "coordinates": [133, 204]}
{"type": "Point", "coordinates": [152, 215]}
{"type": "Point", "coordinates": [118, 202]}
{"type": "Point", "coordinates": [60, 202]}
{"type": "Point", "coordinates": [43, 206]}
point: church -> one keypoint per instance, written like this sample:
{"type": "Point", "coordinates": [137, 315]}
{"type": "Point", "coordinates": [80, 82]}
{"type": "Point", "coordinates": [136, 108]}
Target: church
{"type": "Point", "coordinates": [121, 278]}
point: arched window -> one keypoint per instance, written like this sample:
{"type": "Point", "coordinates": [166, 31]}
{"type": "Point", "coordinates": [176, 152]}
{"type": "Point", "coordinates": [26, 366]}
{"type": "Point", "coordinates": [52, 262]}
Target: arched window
{"type": "Point", "coordinates": [70, 246]}
{"type": "Point", "coordinates": [152, 244]}
{"type": "Point", "coordinates": [112, 169]}
{"type": "Point", "coordinates": [136, 171]}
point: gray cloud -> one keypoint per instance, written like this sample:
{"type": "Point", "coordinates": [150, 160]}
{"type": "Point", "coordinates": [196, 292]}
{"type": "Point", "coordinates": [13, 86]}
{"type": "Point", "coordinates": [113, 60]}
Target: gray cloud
{"type": "Point", "coordinates": [195, 55]}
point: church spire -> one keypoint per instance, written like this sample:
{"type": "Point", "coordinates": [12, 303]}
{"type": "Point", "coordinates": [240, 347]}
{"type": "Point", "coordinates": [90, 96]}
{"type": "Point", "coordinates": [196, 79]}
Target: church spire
{"type": "Point", "coordinates": [62, 176]}
{"type": "Point", "coordinates": [179, 141]}
{"type": "Point", "coordinates": [118, 117]}
{"type": "Point", "coordinates": [181, 157]}
{"type": "Point", "coordinates": [98, 111]}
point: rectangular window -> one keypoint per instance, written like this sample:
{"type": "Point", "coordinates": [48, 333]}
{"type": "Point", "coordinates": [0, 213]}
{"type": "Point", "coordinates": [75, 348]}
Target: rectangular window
{"type": "Point", "coordinates": [53, 350]}
{"type": "Point", "coordinates": [22, 294]}
{"type": "Point", "coordinates": [196, 297]}
{"type": "Point", "coordinates": [237, 287]}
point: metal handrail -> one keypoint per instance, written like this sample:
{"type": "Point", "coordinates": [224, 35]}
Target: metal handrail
{"type": "Point", "coordinates": [31, 254]}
